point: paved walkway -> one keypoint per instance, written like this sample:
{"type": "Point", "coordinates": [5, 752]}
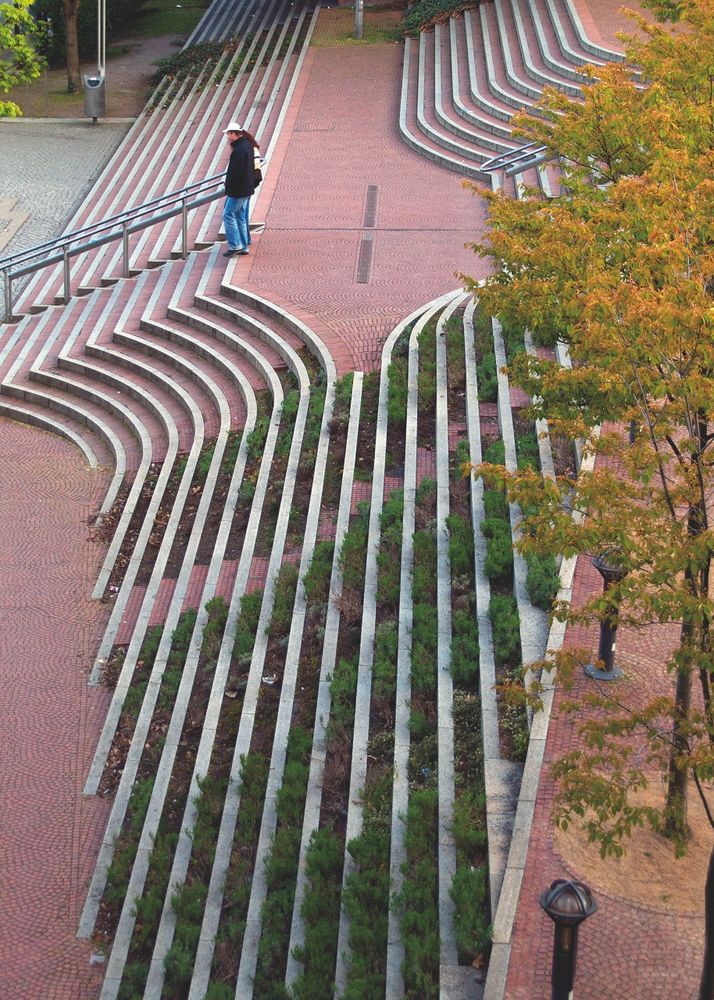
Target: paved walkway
{"type": "Point", "coordinates": [313, 251]}
{"type": "Point", "coordinates": [628, 950]}
{"type": "Point", "coordinates": [354, 276]}
{"type": "Point", "coordinates": [49, 835]}
{"type": "Point", "coordinates": [46, 169]}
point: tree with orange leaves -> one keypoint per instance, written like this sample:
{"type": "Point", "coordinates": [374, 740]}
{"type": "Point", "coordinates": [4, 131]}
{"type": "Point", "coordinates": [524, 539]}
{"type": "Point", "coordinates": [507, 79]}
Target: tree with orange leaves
{"type": "Point", "coordinates": [620, 267]}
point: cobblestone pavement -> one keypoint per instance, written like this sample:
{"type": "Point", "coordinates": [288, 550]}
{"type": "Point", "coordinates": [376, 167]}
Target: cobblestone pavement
{"type": "Point", "coordinates": [342, 162]}
{"type": "Point", "coordinates": [49, 835]}
{"type": "Point", "coordinates": [46, 169]}
{"type": "Point", "coordinates": [627, 950]}
{"type": "Point", "coordinates": [356, 277]}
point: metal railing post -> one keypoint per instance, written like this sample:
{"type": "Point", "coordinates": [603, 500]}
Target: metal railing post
{"type": "Point", "coordinates": [184, 229]}
{"type": "Point", "coordinates": [61, 249]}
{"type": "Point", "coordinates": [125, 248]}
{"type": "Point", "coordinates": [7, 289]}
{"type": "Point", "coordinates": [65, 266]}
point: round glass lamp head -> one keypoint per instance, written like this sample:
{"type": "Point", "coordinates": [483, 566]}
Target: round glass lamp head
{"type": "Point", "coordinates": [568, 902]}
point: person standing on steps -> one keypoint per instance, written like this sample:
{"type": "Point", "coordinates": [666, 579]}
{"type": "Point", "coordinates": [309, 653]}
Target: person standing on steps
{"type": "Point", "coordinates": [240, 185]}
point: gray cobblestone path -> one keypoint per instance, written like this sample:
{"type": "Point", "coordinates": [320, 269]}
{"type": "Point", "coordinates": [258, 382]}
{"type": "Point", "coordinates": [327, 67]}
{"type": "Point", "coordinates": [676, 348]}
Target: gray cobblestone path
{"type": "Point", "coordinates": [46, 169]}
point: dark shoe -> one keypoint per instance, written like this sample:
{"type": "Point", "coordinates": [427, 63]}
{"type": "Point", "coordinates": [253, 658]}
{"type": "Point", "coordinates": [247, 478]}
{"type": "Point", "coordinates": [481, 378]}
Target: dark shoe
{"type": "Point", "coordinates": [242, 253]}
{"type": "Point", "coordinates": [230, 253]}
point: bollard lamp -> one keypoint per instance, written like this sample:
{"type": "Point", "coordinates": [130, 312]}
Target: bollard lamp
{"type": "Point", "coordinates": [568, 904]}
{"type": "Point", "coordinates": [611, 571]}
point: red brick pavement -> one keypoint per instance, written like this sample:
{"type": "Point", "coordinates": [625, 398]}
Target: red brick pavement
{"type": "Point", "coordinates": [627, 951]}
{"type": "Point", "coordinates": [340, 139]}
{"type": "Point", "coordinates": [50, 718]}
{"type": "Point", "coordinates": [344, 141]}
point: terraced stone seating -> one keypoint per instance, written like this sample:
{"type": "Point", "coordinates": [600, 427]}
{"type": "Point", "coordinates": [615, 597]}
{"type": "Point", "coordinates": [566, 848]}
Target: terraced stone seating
{"type": "Point", "coordinates": [463, 81]}
{"type": "Point", "coordinates": [176, 142]}
{"type": "Point", "coordinates": [311, 778]}
{"type": "Point", "coordinates": [237, 459]}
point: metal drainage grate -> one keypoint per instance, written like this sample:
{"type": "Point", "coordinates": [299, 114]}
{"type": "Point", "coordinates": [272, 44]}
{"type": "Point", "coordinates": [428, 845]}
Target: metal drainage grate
{"type": "Point", "coordinates": [364, 261]}
{"type": "Point", "coordinates": [370, 207]}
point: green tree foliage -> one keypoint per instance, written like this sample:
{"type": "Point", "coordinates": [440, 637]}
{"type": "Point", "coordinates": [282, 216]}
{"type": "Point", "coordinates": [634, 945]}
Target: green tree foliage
{"type": "Point", "coordinates": [621, 268]}
{"type": "Point", "coordinates": [20, 61]}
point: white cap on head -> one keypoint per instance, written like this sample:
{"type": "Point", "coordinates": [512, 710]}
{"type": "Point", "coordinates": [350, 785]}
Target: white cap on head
{"type": "Point", "coordinates": [233, 127]}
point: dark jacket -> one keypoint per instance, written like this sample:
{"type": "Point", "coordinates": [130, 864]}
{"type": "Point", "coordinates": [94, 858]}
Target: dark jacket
{"type": "Point", "coordinates": [240, 177]}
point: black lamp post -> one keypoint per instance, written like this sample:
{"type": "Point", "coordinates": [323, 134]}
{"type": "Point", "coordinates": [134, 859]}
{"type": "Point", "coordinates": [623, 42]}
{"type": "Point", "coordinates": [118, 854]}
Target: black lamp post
{"type": "Point", "coordinates": [567, 904]}
{"type": "Point", "coordinates": [612, 572]}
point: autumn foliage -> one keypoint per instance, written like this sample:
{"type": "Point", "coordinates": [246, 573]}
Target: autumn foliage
{"type": "Point", "coordinates": [620, 268]}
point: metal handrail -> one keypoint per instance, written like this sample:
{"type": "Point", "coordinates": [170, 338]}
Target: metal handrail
{"type": "Point", "coordinates": [516, 158]}
{"type": "Point", "coordinates": [62, 248]}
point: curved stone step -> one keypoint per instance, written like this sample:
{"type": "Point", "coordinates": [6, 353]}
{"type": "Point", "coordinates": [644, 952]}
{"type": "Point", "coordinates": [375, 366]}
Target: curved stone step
{"type": "Point", "coordinates": [358, 767]}
{"type": "Point", "coordinates": [313, 797]}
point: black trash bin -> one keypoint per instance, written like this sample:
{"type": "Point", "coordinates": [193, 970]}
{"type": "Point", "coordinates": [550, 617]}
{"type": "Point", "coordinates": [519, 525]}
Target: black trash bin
{"type": "Point", "coordinates": [94, 97]}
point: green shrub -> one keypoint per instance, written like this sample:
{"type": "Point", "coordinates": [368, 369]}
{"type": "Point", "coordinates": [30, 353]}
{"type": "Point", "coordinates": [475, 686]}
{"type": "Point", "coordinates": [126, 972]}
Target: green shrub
{"type": "Point", "coordinates": [220, 991]}
{"type": "Point", "coordinates": [389, 555]}
{"type": "Point", "coordinates": [425, 628]}
{"type": "Point", "coordinates": [419, 725]}
{"type": "Point", "coordinates": [247, 626]}
{"type": "Point", "coordinates": [427, 369]}
{"type": "Point", "coordinates": [495, 505]}
{"type": "Point", "coordinates": [514, 724]}
{"type": "Point", "coordinates": [285, 588]}
{"type": "Point", "coordinates": [469, 892]}
{"type": "Point", "coordinates": [424, 568]}
{"type": "Point", "coordinates": [384, 670]}
{"type": "Point", "coordinates": [487, 379]}
{"type": "Point", "coordinates": [257, 437]}
{"type": "Point", "coordinates": [498, 564]}
{"type": "Point", "coordinates": [454, 330]}
{"type": "Point", "coordinates": [527, 451]}
{"type": "Point", "coordinates": [317, 579]}
{"type": "Point", "coordinates": [495, 453]}
{"type": "Point", "coordinates": [213, 629]}
{"type": "Point", "coordinates": [313, 422]}
{"type": "Point", "coordinates": [353, 552]}
{"type": "Point", "coordinates": [464, 649]}
{"type": "Point", "coordinates": [543, 580]}
{"type": "Point", "coordinates": [253, 779]}
{"type": "Point", "coordinates": [133, 980]}
{"type": "Point", "coordinates": [424, 758]}
{"type": "Point", "coordinates": [469, 826]}
{"type": "Point", "coordinates": [505, 628]}
{"type": "Point", "coordinates": [181, 636]}
{"type": "Point", "coordinates": [461, 546]}
{"type": "Point", "coordinates": [291, 402]}
{"type": "Point", "coordinates": [425, 495]}
{"type": "Point", "coordinates": [343, 684]}
{"type": "Point", "coordinates": [180, 642]}
{"type": "Point", "coordinates": [463, 455]}
{"type": "Point", "coordinates": [397, 374]}
{"type": "Point", "coordinates": [204, 462]}
{"type": "Point", "coordinates": [126, 843]}
{"type": "Point", "coordinates": [468, 743]}
{"type": "Point", "coordinates": [419, 897]}
{"type": "Point", "coordinates": [281, 869]}
{"type": "Point", "coordinates": [188, 62]}
{"type": "Point", "coordinates": [513, 338]}
{"type": "Point", "coordinates": [321, 915]}
{"type": "Point", "coordinates": [343, 401]}
{"type": "Point", "coordinates": [366, 896]}
{"type": "Point", "coordinates": [424, 13]}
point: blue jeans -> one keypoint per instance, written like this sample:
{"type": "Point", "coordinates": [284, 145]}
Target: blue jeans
{"type": "Point", "coordinates": [235, 221]}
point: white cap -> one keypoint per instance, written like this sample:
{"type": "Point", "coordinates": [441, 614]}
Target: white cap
{"type": "Point", "coordinates": [233, 127]}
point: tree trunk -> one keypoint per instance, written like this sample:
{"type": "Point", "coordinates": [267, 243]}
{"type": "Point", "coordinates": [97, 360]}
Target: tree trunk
{"type": "Point", "coordinates": [706, 987]}
{"type": "Point", "coordinates": [678, 777]}
{"type": "Point", "coordinates": [71, 10]}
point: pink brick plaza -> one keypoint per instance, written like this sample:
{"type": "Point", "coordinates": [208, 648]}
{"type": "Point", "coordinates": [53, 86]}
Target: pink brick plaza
{"type": "Point", "coordinates": [341, 136]}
